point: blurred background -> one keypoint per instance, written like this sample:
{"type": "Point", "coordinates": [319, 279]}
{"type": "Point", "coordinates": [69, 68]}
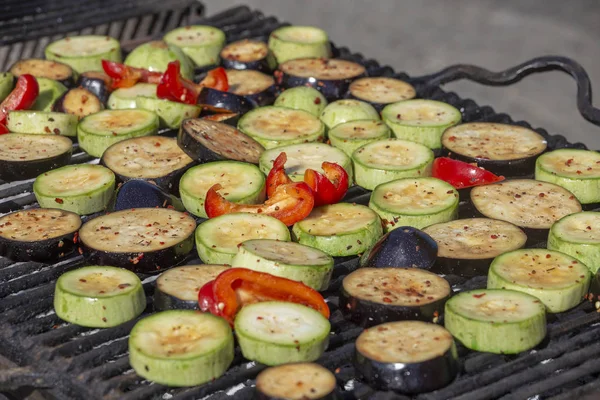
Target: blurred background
{"type": "Point", "coordinates": [422, 37]}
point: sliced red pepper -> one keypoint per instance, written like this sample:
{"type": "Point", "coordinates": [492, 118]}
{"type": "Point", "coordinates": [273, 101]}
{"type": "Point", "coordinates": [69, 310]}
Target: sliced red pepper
{"type": "Point", "coordinates": [289, 203]}
{"type": "Point", "coordinates": [124, 76]}
{"type": "Point", "coordinates": [277, 175]}
{"type": "Point", "coordinates": [21, 98]}
{"type": "Point", "coordinates": [216, 79]}
{"type": "Point", "coordinates": [236, 287]}
{"type": "Point", "coordinates": [3, 129]}
{"type": "Point", "coordinates": [329, 188]}
{"type": "Point", "coordinates": [461, 174]}
{"type": "Point", "coordinates": [174, 87]}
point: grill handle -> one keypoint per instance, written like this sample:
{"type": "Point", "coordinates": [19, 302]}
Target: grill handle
{"type": "Point", "coordinates": [515, 74]}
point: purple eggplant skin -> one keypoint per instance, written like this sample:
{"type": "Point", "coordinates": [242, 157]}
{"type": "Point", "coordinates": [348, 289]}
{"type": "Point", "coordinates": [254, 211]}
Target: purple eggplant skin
{"type": "Point", "coordinates": [219, 101]}
{"type": "Point", "coordinates": [163, 301]}
{"type": "Point", "coordinates": [11, 171]}
{"type": "Point", "coordinates": [139, 193]}
{"type": "Point", "coordinates": [264, 98]}
{"type": "Point", "coordinates": [462, 267]}
{"type": "Point", "coordinates": [97, 83]}
{"type": "Point", "coordinates": [261, 65]}
{"type": "Point", "coordinates": [402, 247]}
{"type": "Point", "coordinates": [410, 378]}
{"type": "Point", "coordinates": [333, 89]}
{"type": "Point", "coordinates": [521, 168]}
{"type": "Point", "coordinates": [226, 118]}
{"type": "Point", "coordinates": [595, 287]}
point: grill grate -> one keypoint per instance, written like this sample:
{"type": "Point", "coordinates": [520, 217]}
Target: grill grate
{"type": "Point", "coordinates": [81, 363]}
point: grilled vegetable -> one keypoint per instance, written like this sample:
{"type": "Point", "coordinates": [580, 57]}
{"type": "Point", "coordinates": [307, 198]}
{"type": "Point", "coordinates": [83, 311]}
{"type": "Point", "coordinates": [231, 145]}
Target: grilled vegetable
{"type": "Point", "coordinates": [82, 189]}
{"type": "Point", "coordinates": [255, 86]}
{"type": "Point", "coordinates": [49, 92]}
{"type": "Point", "coordinates": [7, 83]}
{"type": "Point", "coordinates": [138, 193]}
{"type": "Point", "coordinates": [226, 118]}
{"type": "Point", "coordinates": [248, 54]}
{"type": "Point", "coordinates": [98, 296]}
{"type": "Point", "coordinates": [123, 76]}
{"type": "Point", "coordinates": [170, 113]}
{"type": "Point", "coordinates": [175, 87]}
{"type": "Point", "coordinates": [507, 150]}
{"type": "Point", "coordinates": [181, 348]}
{"type": "Point", "coordinates": [84, 53]}
{"type": "Point", "coordinates": [462, 175]}
{"type": "Point", "coordinates": [496, 321]}
{"type": "Point", "coordinates": [155, 56]}
{"type": "Point", "coordinates": [38, 234]}
{"type": "Point", "coordinates": [291, 42]}
{"type": "Point", "coordinates": [200, 43]}
{"type": "Point", "coordinates": [98, 83]}
{"type": "Point", "coordinates": [275, 333]}
{"type": "Point", "coordinates": [407, 356]}
{"type": "Point", "coordinates": [79, 102]}
{"type": "Point", "coordinates": [219, 101]}
{"type": "Point", "coordinates": [577, 235]}
{"type": "Point", "coordinates": [22, 97]}
{"type": "Point", "coordinates": [341, 111]}
{"type": "Point", "coordinates": [349, 136]}
{"type": "Point", "coordinates": [46, 69]}
{"type": "Point", "coordinates": [302, 98]}
{"type": "Point", "coordinates": [127, 97]}
{"type": "Point", "coordinates": [27, 156]}
{"type": "Point", "coordinates": [381, 91]}
{"type": "Point", "coordinates": [145, 240]}
{"type": "Point", "coordinates": [298, 381]}
{"type": "Point", "coordinates": [42, 123]}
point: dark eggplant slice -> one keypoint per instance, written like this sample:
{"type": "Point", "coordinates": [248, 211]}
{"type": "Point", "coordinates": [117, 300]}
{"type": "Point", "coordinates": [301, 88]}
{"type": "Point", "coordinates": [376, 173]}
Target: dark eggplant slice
{"type": "Point", "coordinates": [381, 91]}
{"type": "Point", "coordinates": [408, 356]}
{"type": "Point", "coordinates": [178, 287]}
{"type": "Point", "coordinates": [156, 159]}
{"type": "Point", "coordinates": [372, 296]}
{"type": "Point", "coordinates": [39, 68]}
{"type": "Point", "coordinates": [24, 156]}
{"type": "Point", "coordinates": [223, 102]}
{"type": "Point", "coordinates": [248, 54]}
{"type": "Point", "coordinates": [144, 240]}
{"type": "Point", "coordinates": [96, 82]}
{"type": "Point", "coordinates": [78, 101]}
{"type": "Point", "coordinates": [466, 247]}
{"type": "Point", "coordinates": [137, 193]}
{"type": "Point", "coordinates": [38, 234]}
{"type": "Point", "coordinates": [227, 118]}
{"type": "Point", "coordinates": [207, 141]}
{"type": "Point", "coordinates": [507, 150]}
{"type": "Point", "coordinates": [304, 381]}
{"type": "Point", "coordinates": [255, 86]}
{"type": "Point", "coordinates": [331, 77]}
{"type": "Point", "coordinates": [402, 247]}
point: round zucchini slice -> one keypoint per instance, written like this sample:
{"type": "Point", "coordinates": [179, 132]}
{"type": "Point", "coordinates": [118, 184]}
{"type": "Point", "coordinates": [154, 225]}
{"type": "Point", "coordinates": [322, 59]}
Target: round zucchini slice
{"type": "Point", "coordinates": [286, 259]}
{"type": "Point", "coordinates": [291, 42]}
{"type": "Point", "coordinates": [381, 91]}
{"type": "Point", "coordinates": [24, 156]}
{"type": "Point", "coordinates": [558, 280]}
{"type": "Point", "coordinates": [416, 202]}
{"type": "Point", "coordinates": [38, 234]}
{"type": "Point", "coordinates": [170, 113]}
{"type": "Point", "coordinates": [42, 123]}
{"type": "Point", "coordinates": [218, 239]}
{"type": "Point", "coordinates": [349, 136]}
{"type": "Point", "coordinates": [181, 347]}
{"type": "Point", "coordinates": [372, 296]}
{"type": "Point", "coordinates": [127, 97]}
{"type": "Point", "coordinates": [241, 182]}
{"type": "Point", "coordinates": [406, 356]}
{"type": "Point", "coordinates": [341, 111]}
{"type": "Point", "coordinates": [390, 159]}
{"type": "Point", "coordinates": [507, 150]}
{"type": "Point", "coordinates": [496, 321]}
{"type": "Point", "coordinates": [248, 54]}
{"type": "Point", "coordinates": [296, 381]}
{"type": "Point", "coordinates": [145, 240]}
{"type": "Point", "coordinates": [578, 235]}
{"type": "Point", "coordinates": [201, 43]}
{"type": "Point", "coordinates": [83, 189]}
{"type": "Point", "coordinates": [99, 296]}
{"type": "Point", "coordinates": [156, 56]}
{"type": "Point", "coordinates": [279, 126]}
{"type": "Point", "coordinates": [302, 98]}
{"type": "Point", "coordinates": [341, 229]}
{"type": "Point", "coordinates": [275, 332]}
{"type": "Point", "coordinates": [84, 53]}
{"type": "Point", "coordinates": [255, 86]}
{"type": "Point", "coordinates": [47, 69]}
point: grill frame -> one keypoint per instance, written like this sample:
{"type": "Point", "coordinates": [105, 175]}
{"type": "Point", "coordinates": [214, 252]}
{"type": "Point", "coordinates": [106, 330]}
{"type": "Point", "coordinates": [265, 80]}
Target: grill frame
{"type": "Point", "coordinates": [72, 362]}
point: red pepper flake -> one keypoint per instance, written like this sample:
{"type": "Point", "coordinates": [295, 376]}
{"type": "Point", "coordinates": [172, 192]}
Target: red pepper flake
{"type": "Point", "coordinates": [82, 280]}
{"type": "Point", "coordinates": [578, 172]}
{"type": "Point", "coordinates": [104, 319]}
{"type": "Point", "coordinates": [317, 100]}
{"type": "Point", "coordinates": [157, 144]}
{"type": "Point", "coordinates": [548, 256]}
{"type": "Point", "coordinates": [59, 201]}
{"type": "Point", "coordinates": [494, 236]}
{"type": "Point", "coordinates": [541, 195]}
{"type": "Point", "coordinates": [517, 196]}
{"type": "Point", "coordinates": [387, 300]}
{"type": "Point", "coordinates": [569, 162]}
{"type": "Point", "coordinates": [478, 296]}
{"type": "Point", "coordinates": [589, 228]}
{"type": "Point", "coordinates": [80, 250]}
{"type": "Point", "coordinates": [161, 243]}
{"type": "Point", "coordinates": [124, 285]}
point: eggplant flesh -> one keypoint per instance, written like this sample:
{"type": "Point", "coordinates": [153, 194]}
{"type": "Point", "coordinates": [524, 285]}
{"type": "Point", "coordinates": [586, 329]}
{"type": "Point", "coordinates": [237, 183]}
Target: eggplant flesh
{"type": "Point", "coordinates": [78, 101]}
{"type": "Point", "coordinates": [226, 118]}
{"type": "Point", "coordinates": [139, 193]}
{"type": "Point", "coordinates": [97, 83]}
{"type": "Point", "coordinates": [223, 102]}
{"type": "Point", "coordinates": [45, 69]}
{"type": "Point", "coordinates": [11, 171]}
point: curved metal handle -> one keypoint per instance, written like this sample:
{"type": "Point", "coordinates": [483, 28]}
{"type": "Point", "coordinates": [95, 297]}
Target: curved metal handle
{"type": "Point", "coordinates": [515, 74]}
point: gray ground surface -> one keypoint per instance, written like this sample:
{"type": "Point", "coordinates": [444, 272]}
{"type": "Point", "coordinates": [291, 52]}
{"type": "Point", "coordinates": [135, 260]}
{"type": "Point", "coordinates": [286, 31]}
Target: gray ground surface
{"type": "Point", "coordinates": [422, 37]}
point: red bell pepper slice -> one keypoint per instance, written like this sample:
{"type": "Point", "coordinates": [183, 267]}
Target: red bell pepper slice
{"type": "Point", "coordinates": [124, 76]}
{"type": "Point", "coordinates": [290, 203]}
{"type": "Point", "coordinates": [174, 87]}
{"type": "Point", "coordinates": [277, 175]}
{"type": "Point", "coordinates": [3, 129]}
{"type": "Point", "coordinates": [216, 79]}
{"type": "Point", "coordinates": [236, 287]}
{"type": "Point", "coordinates": [21, 98]}
{"type": "Point", "coordinates": [461, 174]}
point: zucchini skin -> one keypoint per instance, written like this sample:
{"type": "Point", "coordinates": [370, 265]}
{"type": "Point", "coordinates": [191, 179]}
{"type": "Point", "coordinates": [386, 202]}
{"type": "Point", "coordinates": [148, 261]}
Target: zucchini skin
{"type": "Point", "coordinates": [219, 101]}
{"type": "Point", "coordinates": [11, 171]}
{"type": "Point", "coordinates": [332, 89]}
{"type": "Point", "coordinates": [42, 251]}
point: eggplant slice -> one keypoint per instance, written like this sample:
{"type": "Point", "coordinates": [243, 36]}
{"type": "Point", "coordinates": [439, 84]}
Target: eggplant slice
{"type": "Point", "coordinates": [223, 102]}
{"type": "Point", "coordinates": [227, 118]}
{"type": "Point", "coordinates": [78, 101]}
{"type": "Point", "coordinates": [39, 68]}
{"type": "Point", "coordinates": [247, 54]}
{"type": "Point", "coordinates": [137, 193]}
{"type": "Point", "coordinates": [306, 381]}
{"type": "Point", "coordinates": [257, 87]}
{"type": "Point", "coordinates": [96, 82]}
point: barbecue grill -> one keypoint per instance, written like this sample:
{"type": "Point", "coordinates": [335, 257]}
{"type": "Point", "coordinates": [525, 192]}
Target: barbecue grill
{"type": "Point", "coordinates": [44, 357]}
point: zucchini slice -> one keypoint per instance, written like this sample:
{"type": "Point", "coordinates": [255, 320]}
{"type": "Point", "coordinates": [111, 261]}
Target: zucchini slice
{"type": "Point", "coordinates": [201, 43]}
{"type": "Point", "coordinates": [508, 150]}
{"type": "Point", "coordinates": [255, 86]}
{"type": "Point", "coordinates": [466, 247]}
{"type": "Point", "coordinates": [372, 296]}
{"type": "Point", "coordinates": [286, 259]}
{"type": "Point", "coordinates": [178, 287]}
{"type": "Point", "coordinates": [381, 91]}
{"type": "Point", "coordinates": [49, 92]}
{"type": "Point", "coordinates": [25, 156]}
{"type": "Point", "coordinates": [248, 54]}
{"type": "Point", "coordinates": [153, 158]}
{"type": "Point", "coordinates": [127, 97]}
{"type": "Point", "coordinates": [578, 235]}
{"type": "Point", "coordinates": [341, 229]}
{"type": "Point", "coordinates": [279, 126]}
{"type": "Point", "coordinates": [291, 42]}
{"type": "Point", "coordinates": [181, 347]}
{"type": "Point", "coordinates": [156, 56]}
{"type": "Point", "coordinates": [218, 239]}
{"type": "Point", "coordinates": [84, 53]}
{"type": "Point", "coordinates": [7, 83]}
{"type": "Point", "coordinates": [390, 159]}
{"type": "Point", "coordinates": [576, 170]}
{"type": "Point", "coordinates": [47, 69]}
{"type": "Point", "coordinates": [296, 381]}
{"type": "Point", "coordinates": [99, 296]}
{"type": "Point", "coordinates": [170, 113]}
{"type": "Point", "coordinates": [406, 356]}
{"type": "Point", "coordinates": [79, 102]}
{"type": "Point", "coordinates": [242, 183]}
{"type": "Point", "coordinates": [38, 234]}
{"type": "Point", "coordinates": [145, 240]}
{"type": "Point", "coordinates": [558, 280]}
{"type": "Point", "coordinates": [341, 111]}
{"type": "Point", "coordinates": [302, 98]}
{"type": "Point", "coordinates": [276, 332]}
{"type": "Point", "coordinates": [82, 188]}
{"type": "Point", "coordinates": [421, 121]}
{"type": "Point", "coordinates": [496, 321]}
{"type": "Point", "coordinates": [301, 157]}
{"type": "Point", "coordinates": [349, 136]}
{"type": "Point", "coordinates": [42, 123]}
{"type": "Point", "coordinates": [416, 202]}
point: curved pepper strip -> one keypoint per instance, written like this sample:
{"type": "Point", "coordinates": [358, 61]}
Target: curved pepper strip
{"type": "Point", "coordinates": [124, 76]}
{"type": "Point", "coordinates": [222, 296]}
{"type": "Point", "coordinates": [461, 174]}
{"type": "Point", "coordinates": [290, 203]}
{"type": "Point", "coordinates": [174, 87]}
{"type": "Point", "coordinates": [3, 129]}
{"type": "Point", "coordinates": [22, 97]}
{"type": "Point", "coordinates": [277, 175]}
